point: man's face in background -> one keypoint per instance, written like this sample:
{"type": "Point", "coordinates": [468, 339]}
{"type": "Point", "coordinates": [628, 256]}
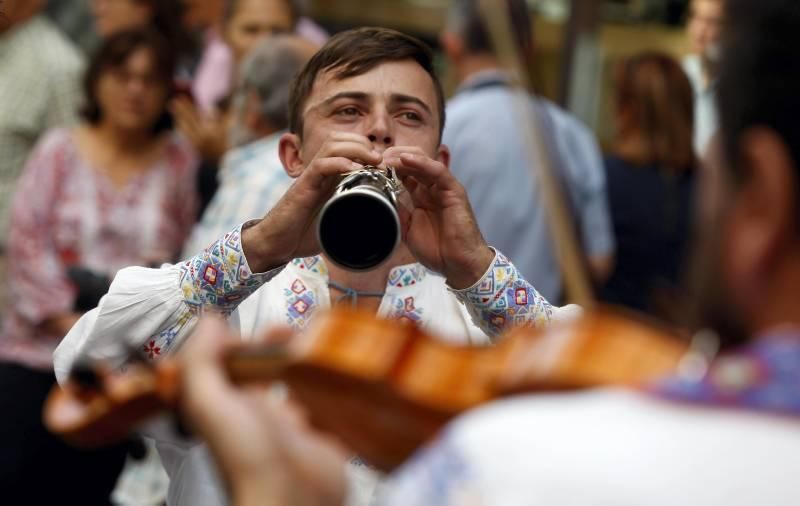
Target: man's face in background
{"type": "Point", "coordinates": [705, 21]}
{"type": "Point", "coordinates": [202, 14]}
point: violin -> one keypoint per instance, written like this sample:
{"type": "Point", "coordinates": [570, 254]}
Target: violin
{"type": "Point", "coordinates": [384, 387]}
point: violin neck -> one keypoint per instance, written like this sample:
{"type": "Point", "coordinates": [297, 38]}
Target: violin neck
{"type": "Point", "coordinates": [262, 365]}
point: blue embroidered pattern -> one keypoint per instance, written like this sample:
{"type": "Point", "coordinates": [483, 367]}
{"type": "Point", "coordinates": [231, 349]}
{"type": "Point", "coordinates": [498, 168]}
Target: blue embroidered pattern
{"type": "Point", "coordinates": [439, 474]}
{"type": "Point", "coordinates": [220, 276]}
{"type": "Point", "coordinates": [312, 264]}
{"type": "Point", "coordinates": [407, 275]}
{"type": "Point", "coordinates": [219, 279]}
{"type": "Point", "coordinates": [300, 299]}
{"type": "Point", "coordinates": [502, 298]}
{"type": "Point", "coordinates": [762, 377]}
{"type": "Point", "coordinates": [405, 309]}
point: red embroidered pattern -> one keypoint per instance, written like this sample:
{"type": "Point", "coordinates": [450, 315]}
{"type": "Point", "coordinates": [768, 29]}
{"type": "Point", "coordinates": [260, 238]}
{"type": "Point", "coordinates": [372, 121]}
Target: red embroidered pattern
{"type": "Point", "coordinates": [152, 350]}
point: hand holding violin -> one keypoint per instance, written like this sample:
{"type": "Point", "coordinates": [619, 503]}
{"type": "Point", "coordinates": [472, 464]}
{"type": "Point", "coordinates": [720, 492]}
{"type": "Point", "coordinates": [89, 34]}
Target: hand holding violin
{"type": "Point", "coordinates": [381, 387]}
{"type": "Point", "coordinates": [266, 452]}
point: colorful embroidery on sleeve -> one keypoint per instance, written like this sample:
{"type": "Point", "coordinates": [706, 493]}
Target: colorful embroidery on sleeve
{"type": "Point", "coordinates": [503, 298]}
{"type": "Point", "coordinates": [218, 279]}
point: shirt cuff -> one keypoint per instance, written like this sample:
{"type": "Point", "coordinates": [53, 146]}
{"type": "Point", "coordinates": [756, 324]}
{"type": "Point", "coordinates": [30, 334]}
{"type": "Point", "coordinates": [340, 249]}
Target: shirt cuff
{"type": "Point", "coordinates": [502, 297]}
{"type": "Point", "coordinates": [220, 276]}
{"type": "Point", "coordinates": [482, 279]}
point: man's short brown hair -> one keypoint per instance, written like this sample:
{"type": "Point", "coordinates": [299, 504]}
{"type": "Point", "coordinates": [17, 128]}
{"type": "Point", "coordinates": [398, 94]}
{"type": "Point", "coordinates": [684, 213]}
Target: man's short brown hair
{"type": "Point", "coordinates": [356, 52]}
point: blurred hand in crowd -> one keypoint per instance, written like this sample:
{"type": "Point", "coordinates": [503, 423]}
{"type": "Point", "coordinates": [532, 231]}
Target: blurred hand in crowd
{"type": "Point", "coordinates": [202, 14]}
{"type": "Point", "coordinates": [207, 133]}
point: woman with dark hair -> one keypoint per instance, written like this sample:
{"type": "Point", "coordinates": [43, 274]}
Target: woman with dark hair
{"type": "Point", "coordinates": [118, 190]}
{"type": "Point", "coordinates": [650, 178]}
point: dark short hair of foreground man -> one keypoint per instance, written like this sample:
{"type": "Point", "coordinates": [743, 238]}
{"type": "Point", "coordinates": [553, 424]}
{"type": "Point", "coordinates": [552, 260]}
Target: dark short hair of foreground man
{"type": "Point", "coordinates": [730, 438]}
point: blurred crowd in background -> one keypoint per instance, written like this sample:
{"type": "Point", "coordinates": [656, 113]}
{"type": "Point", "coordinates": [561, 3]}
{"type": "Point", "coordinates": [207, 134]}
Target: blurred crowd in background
{"type": "Point", "coordinates": [137, 132]}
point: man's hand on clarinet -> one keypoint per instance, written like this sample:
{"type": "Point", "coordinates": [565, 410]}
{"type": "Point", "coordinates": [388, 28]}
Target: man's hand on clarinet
{"type": "Point", "coordinates": [288, 230]}
{"type": "Point", "coordinates": [441, 229]}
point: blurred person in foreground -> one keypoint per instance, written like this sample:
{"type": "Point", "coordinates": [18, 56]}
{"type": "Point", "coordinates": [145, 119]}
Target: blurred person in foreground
{"type": "Point", "coordinates": [115, 191]}
{"type": "Point", "coordinates": [251, 177]}
{"type": "Point", "coordinates": [650, 177]}
{"type": "Point", "coordinates": [730, 437]}
{"type": "Point", "coordinates": [490, 154]}
{"type": "Point", "coordinates": [703, 28]}
{"type": "Point", "coordinates": [39, 89]}
{"type": "Point", "coordinates": [369, 96]}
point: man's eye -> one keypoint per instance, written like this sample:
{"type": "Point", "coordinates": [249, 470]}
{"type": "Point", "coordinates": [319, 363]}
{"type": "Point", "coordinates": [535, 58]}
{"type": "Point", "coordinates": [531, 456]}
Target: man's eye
{"type": "Point", "coordinates": [411, 116]}
{"type": "Point", "coordinates": [347, 111]}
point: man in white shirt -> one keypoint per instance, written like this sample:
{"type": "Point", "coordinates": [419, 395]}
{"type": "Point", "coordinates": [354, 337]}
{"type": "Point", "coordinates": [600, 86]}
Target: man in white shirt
{"type": "Point", "coordinates": [705, 21]}
{"type": "Point", "coordinates": [729, 435]}
{"type": "Point", "coordinates": [251, 181]}
{"type": "Point", "coordinates": [370, 96]}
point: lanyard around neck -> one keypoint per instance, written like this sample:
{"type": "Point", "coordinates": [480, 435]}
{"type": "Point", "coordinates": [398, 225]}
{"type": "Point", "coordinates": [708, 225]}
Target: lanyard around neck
{"type": "Point", "coordinates": [352, 294]}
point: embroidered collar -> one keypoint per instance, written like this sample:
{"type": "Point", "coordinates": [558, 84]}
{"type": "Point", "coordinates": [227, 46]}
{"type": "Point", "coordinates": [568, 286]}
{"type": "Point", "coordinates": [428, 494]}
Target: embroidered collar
{"type": "Point", "coordinates": [310, 277]}
{"type": "Point", "coordinates": [407, 275]}
{"type": "Point", "coordinates": [763, 376]}
{"type": "Point", "coordinates": [401, 276]}
{"type": "Point", "coordinates": [314, 265]}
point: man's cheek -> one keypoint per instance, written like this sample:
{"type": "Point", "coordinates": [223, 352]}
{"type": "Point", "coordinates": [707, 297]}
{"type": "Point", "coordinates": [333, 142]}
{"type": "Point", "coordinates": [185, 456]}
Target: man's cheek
{"type": "Point", "coordinates": [354, 126]}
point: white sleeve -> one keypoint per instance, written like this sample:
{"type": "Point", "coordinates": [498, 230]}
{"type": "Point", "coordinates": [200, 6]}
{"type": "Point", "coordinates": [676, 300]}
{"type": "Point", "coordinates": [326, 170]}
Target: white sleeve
{"type": "Point", "coordinates": [140, 302]}
{"type": "Point", "coordinates": [151, 311]}
{"type": "Point", "coordinates": [364, 485]}
{"type": "Point", "coordinates": [502, 298]}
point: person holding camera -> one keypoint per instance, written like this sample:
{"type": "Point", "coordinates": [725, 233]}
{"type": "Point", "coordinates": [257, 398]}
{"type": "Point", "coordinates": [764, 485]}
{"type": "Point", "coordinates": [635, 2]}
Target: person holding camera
{"type": "Point", "coordinates": [368, 97]}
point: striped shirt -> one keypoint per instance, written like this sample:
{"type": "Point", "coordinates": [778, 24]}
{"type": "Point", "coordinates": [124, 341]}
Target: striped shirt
{"type": "Point", "coordinates": [251, 181]}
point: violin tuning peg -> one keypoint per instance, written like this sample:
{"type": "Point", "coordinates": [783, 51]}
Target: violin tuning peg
{"type": "Point", "coordinates": [86, 376]}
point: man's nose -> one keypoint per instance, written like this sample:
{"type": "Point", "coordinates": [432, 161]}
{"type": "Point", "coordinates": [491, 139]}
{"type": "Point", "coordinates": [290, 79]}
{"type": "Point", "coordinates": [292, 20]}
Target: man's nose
{"type": "Point", "coordinates": [379, 132]}
{"type": "Point", "coordinates": [136, 85]}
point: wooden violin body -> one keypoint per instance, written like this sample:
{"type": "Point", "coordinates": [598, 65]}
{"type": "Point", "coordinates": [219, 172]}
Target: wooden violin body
{"type": "Point", "coordinates": [385, 387]}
